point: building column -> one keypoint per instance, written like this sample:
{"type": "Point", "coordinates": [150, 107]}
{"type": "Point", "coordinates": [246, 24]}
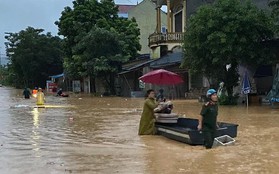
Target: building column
{"type": "Point", "coordinates": [184, 16]}
{"type": "Point", "coordinates": [171, 22]}
{"type": "Point", "coordinates": [168, 16]}
{"type": "Point", "coordinates": [158, 19]}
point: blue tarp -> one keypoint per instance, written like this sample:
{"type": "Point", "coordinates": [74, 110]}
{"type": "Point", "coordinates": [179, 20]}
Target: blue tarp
{"type": "Point", "coordinates": [273, 95]}
{"type": "Point", "coordinates": [57, 76]}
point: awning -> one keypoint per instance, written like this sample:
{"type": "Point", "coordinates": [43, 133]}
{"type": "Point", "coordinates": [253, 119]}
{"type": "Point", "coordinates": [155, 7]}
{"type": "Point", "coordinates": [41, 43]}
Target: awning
{"type": "Point", "coordinates": [57, 76]}
{"type": "Point", "coordinates": [135, 67]}
{"type": "Point", "coordinates": [167, 60]}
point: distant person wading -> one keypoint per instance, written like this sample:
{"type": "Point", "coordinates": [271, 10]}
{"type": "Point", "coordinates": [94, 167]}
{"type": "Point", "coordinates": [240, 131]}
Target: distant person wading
{"type": "Point", "coordinates": [26, 93]}
{"type": "Point", "coordinates": [40, 97]}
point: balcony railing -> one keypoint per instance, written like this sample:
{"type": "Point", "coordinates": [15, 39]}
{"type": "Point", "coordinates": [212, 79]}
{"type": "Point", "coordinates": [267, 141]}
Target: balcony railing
{"type": "Point", "coordinates": [158, 38]}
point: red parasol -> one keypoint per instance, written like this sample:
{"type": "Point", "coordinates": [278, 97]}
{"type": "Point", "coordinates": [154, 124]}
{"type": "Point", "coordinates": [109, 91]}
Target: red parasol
{"type": "Point", "coordinates": [161, 77]}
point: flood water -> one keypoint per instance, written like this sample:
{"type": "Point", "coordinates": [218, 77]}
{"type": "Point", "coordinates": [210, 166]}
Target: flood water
{"type": "Point", "coordinates": [86, 134]}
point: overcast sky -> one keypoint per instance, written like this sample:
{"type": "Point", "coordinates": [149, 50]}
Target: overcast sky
{"type": "Point", "coordinates": [16, 15]}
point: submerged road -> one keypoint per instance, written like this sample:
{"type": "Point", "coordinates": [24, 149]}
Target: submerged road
{"type": "Point", "coordinates": [85, 134]}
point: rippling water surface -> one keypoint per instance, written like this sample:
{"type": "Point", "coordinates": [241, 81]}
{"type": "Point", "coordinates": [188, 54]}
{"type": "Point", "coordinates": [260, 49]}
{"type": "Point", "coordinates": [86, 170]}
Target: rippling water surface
{"type": "Point", "coordinates": [85, 134]}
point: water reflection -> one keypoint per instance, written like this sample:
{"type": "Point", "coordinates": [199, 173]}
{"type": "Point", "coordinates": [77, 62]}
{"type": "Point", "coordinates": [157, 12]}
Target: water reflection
{"type": "Point", "coordinates": [85, 134]}
{"type": "Point", "coordinates": [35, 113]}
{"type": "Point", "coordinates": [35, 134]}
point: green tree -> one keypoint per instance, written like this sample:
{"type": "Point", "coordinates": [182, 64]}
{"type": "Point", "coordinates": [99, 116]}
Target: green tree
{"type": "Point", "coordinates": [227, 32]}
{"type": "Point", "coordinates": [274, 4]}
{"type": "Point", "coordinates": [99, 54]}
{"type": "Point", "coordinates": [4, 74]}
{"type": "Point", "coordinates": [80, 22]}
{"type": "Point", "coordinates": [34, 56]}
{"type": "Point", "coordinates": [128, 34]}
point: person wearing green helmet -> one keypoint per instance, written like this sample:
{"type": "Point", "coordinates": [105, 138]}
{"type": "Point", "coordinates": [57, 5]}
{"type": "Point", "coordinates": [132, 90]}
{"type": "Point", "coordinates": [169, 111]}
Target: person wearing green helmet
{"type": "Point", "coordinates": [208, 118]}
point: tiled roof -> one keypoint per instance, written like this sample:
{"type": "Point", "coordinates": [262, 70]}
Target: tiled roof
{"type": "Point", "coordinates": [124, 8]}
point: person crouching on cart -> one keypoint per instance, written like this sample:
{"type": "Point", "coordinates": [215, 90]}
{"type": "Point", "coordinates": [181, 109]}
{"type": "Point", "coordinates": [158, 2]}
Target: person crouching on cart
{"type": "Point", "coordinates": [164, 107]}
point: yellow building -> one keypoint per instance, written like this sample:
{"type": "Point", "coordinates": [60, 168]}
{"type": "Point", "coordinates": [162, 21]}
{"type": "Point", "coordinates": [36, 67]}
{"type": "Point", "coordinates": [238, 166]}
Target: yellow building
{"type": "Point", "coordinates": [145, 15]}
{"type": "Point", "coordinates": [178, 12]}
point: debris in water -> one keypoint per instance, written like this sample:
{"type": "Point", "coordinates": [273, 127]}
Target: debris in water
{"type": "Point", "coordinates": [67, 170]}
{"type": "Point", "coordinates": [20, 106]}
{"type": "Point", "coordinates": [50, 163]}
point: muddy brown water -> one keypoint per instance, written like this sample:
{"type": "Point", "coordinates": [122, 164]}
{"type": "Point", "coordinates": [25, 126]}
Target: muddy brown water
{"type": "Point", "coordinates": [85, 134]}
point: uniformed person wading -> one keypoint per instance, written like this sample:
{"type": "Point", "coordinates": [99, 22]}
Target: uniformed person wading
{"type": "Point", "coordinates": [208, 118]}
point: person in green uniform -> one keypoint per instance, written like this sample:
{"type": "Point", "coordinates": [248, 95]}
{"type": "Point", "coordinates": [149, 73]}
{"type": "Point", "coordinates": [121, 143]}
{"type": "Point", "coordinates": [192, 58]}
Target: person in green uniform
{"type": "Point", "coordinates": [208, 118]}
{"type": "Point", "coordinates": [147, 120]}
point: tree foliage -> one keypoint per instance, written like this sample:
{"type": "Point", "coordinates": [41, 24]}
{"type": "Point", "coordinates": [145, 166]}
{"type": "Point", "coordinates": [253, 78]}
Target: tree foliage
{"type": "Point", "coordinates": [274, 4]}
{"type": "Point", "coordinates": [33, 56]}
{"type": "Point", "coordinates": [81, 25]}
{"type": "Point", "coordinates": [227, 32]}
{"type": "Point", "coordinates": [4, 76]}
{"type": "Point", "coordinates": [99, 54]}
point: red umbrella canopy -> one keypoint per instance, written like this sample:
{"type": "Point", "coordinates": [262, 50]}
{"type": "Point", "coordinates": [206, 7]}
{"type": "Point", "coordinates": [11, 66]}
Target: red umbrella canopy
{"type": "Point", "coordinates": [161, 77]}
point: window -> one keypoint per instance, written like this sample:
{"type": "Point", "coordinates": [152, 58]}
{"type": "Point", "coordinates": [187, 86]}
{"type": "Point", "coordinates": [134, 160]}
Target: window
{"type": "Point", "coordinates": [164, 29]}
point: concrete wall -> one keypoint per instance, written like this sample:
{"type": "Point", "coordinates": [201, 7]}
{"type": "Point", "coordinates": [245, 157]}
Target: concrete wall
{"type": "Point", "coordinates": [145, 15]}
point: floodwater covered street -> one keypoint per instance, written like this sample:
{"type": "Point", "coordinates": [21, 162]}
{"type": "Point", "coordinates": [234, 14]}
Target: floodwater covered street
{"type": "Point", "coordinates": [86, 134]}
